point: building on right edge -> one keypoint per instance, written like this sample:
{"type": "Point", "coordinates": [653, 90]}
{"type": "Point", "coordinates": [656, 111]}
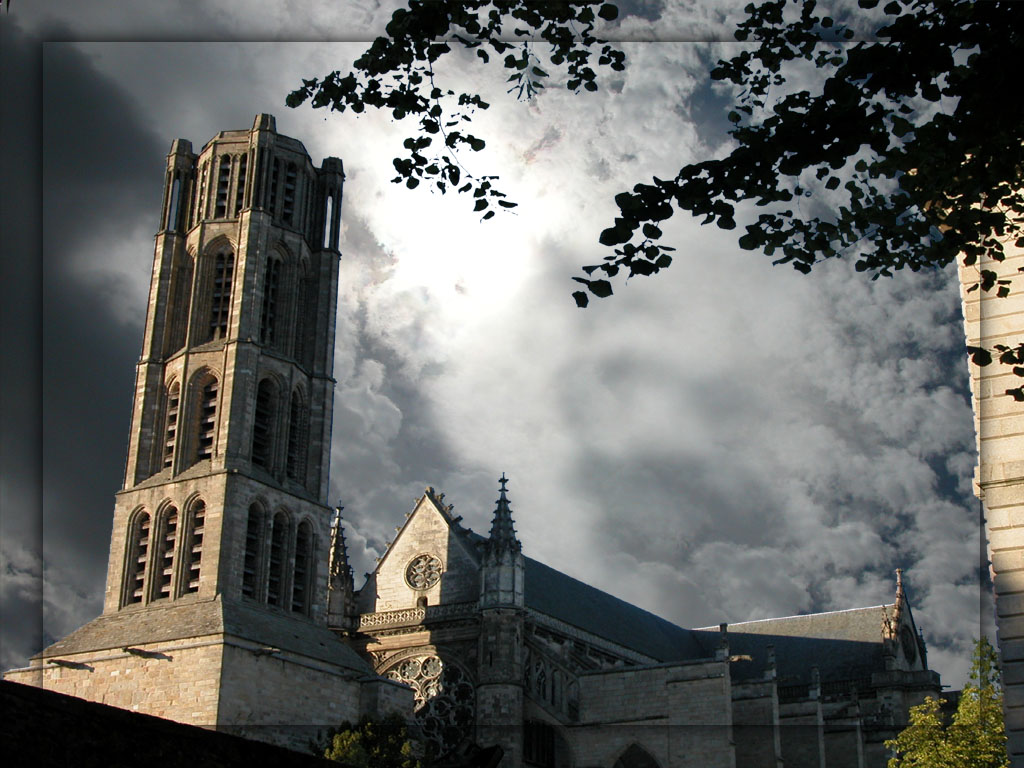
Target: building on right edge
{"type": "Point", "coordinates": [999, 477]}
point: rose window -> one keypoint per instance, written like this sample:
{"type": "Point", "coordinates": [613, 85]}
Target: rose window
{"type": "Point", "coordinates": [423, 572]}
{"type": "Point", "coordinates": [445, 701]}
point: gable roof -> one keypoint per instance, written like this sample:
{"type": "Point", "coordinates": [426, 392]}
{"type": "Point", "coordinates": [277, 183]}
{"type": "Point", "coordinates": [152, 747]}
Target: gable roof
{"type": "Point", "coordinates": [844, 645]}
{"type": "Point", "coordinates": [562, 597]}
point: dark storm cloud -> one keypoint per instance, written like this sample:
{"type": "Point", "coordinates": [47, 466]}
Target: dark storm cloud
{"type": "Point", "coordinates": [98, 158]}
{"type": "Point", "coordinates": [20, 362]}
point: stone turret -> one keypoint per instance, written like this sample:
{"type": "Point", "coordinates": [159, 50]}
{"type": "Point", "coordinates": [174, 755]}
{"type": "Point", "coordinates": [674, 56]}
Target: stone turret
{"type": "Point", "coordinates": [501, 578]}
{"type": "Point", "coordinates": [500, 693]}
{"type": "Point", "coordinates": [340, 587]}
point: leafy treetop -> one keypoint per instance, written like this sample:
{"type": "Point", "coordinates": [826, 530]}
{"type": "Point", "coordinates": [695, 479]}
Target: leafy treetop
{"type": "Point", "coordinates": [975, 738]}
{"type": "Point", "coordinates": [397, 73]}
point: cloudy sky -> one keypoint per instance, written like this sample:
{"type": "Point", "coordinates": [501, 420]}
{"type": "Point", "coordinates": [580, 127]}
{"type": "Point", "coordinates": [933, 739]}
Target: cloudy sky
{"type": "Point", "coordinates": [725, 441]}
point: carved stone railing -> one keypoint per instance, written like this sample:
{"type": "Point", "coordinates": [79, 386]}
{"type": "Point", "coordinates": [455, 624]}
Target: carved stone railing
{"type": "Point", "coordinates": [420, 615]}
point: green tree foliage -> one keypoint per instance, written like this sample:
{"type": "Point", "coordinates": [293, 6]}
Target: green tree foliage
{"type": "Point", "coordinates": [383, 743]}
{"type": "Point", "coordinates": [975, 738]}
{"type": "Point", "coordinates": [888, 134]}
{"type": "Point", "coordinates": [397, 73]}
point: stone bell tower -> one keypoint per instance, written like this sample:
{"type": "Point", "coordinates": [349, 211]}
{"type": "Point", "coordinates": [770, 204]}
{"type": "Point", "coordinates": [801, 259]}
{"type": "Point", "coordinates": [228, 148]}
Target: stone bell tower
{"type": "Point", "coordinates": [215, 610]}
{"type": "Point", "coordinates": [226, 480]}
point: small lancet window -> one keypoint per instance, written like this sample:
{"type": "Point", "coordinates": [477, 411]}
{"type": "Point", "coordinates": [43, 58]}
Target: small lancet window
{"type": "Point", "coordinates": [171, 426]}
{"type": "Point", "coordinates": [207, 420]}
{"type": "Point", "coordinates": [263, 425]}
{"type": "Point", "coordinates": [328, 215]}
{"type": "Point", "coordinates": [137, 559]}
{"type": "Point", "coordinates": [223, 183]}
{"type": "Point", "coordinates": [296, 468]}
{"type": "Point", "coordinates": [240, 188]}
{"type": "Point", "coordinates": [278, 554]}
{"type": "Point", "coordinates": [220, 301]}
{"type": "Point", "coordinates": [268, 319]}
{"type": "Point", "coordinates": [194, 547]}
{"type": "Point", "coordinates": [174, 203]}
{"type": "Point", "coordinates": [165, 543]}
{"type": "Point", "coordinates": [253, 546]}
{"type": "Point", "coordinates": [303, 568]}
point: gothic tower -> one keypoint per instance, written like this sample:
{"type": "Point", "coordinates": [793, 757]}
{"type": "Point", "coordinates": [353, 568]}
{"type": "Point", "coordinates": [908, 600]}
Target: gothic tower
{"type": "Point", "coordinates": [215, 610]}
{"type": "Point", "coordinates": [226, 480]}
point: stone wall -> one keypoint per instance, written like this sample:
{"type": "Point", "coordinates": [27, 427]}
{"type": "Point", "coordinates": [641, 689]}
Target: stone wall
{"type": "Point", "coordinates": [177, 680]}
{"type": "Point", "coordinates": [680, 714]}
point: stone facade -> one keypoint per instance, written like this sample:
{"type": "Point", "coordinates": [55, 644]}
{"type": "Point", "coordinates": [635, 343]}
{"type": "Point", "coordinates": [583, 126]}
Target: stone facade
{"type": "Point", "coordinates": [560, 674]}
{"type": "Point", "coordinates": [999, 477]}
{"type": "Point", "coordinates": [230, 602]}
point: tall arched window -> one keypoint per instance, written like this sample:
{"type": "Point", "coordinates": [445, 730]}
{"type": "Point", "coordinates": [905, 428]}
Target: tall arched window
{"type": "Point", "coordinates": [288, 214]}
{"type": "Point", "coordinates": [253, 550]}
{"type": "Point", "coordinates": [138, 556]}
{"type": "Point", "coordinates": [207, 421]}
{"type": "Point", "coordinates": [263, 425]}
{"type": "Point", "coordinates": [301, 301]}
{"type": "Point", "coordinates": [223, 185]}
{"type": "Point", "coordinates": [297, 447]}
{"type": "Point", "coordinates": [180, 294]}
{"type": "Point", "coordinates": [194, 547]}
{"type": "Point", "coordinates": [165, 541]}
{"type": "Point", "coordinates": [271, 285]}
{"type": "Point", "coordinates": [303, 568]}
{"type": "Point", "coordinates": [220, 300]}
{"type": "Point", "coordinates": [274, 177]}
{"type": "Point", "coordinates": [171, 423]}
{"type": "Point", "coordinates": [278, 560]}
{"type": "Point", "coordinates": [636, 757]}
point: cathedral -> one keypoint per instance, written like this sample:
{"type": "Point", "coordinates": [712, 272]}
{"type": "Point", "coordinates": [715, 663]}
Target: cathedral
{"type": "Point", "coordinates": [230, 602]}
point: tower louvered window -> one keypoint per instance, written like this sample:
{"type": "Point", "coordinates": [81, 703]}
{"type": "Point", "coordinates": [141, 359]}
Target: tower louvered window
{"type": "Point", "coordinates": [289, 194]}
{"type": "Point", "coordinates": [278, 555]}
{"type": "Point", "coordinates": [223, 185]}
{"type": "Point", "coordinates": [263, 425]}
{"type": "Point", "coordinates": [268, 319]}
{"type": "Point", "coordinates": [171, 430]}
{"type": "Point", "coordinates": [165, 543]}
{"type": "Point", "coordinates": [251, 563]}
{"type": "Point", "coordinates": [137, 559]}
{"type": "Point", "coordinates": [273, 187]}
{"type": "Point", "coordinates": [240, 189]}
{"type": "Point", "coordinates": [220, 301]}
{"type": "Point", "coordinates": [301, 326]}
{"type": "Point", "coordinates": [303, 564]}
{"type": "Point", "coordinates": [207, 420]}
{"type": "Point", "coordinates": [194, 547]}
{"type": "Point", "coordinates": [297, 447]}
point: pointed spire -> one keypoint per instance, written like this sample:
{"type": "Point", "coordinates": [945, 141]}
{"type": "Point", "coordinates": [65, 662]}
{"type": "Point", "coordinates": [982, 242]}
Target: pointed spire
{"type": "Point", "coordinates": [339, 565]}
{"type": "Point", "coordinates": [340, 584]}
{"type": "Point", "coordinates": [503, 533]}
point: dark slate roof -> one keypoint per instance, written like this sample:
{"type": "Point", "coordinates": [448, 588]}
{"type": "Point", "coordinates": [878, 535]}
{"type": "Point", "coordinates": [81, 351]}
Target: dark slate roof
{"type": "Point", "coordinates": [562, 597]}
{"type": "Point", "coordinates": [844, 645]}
{"type": "Point", "coordinates": [198, 618]}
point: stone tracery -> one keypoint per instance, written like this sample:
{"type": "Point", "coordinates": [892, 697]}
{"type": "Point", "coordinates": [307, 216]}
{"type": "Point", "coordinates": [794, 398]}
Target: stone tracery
{"type": "Point", "coordinates": [445, 700]}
